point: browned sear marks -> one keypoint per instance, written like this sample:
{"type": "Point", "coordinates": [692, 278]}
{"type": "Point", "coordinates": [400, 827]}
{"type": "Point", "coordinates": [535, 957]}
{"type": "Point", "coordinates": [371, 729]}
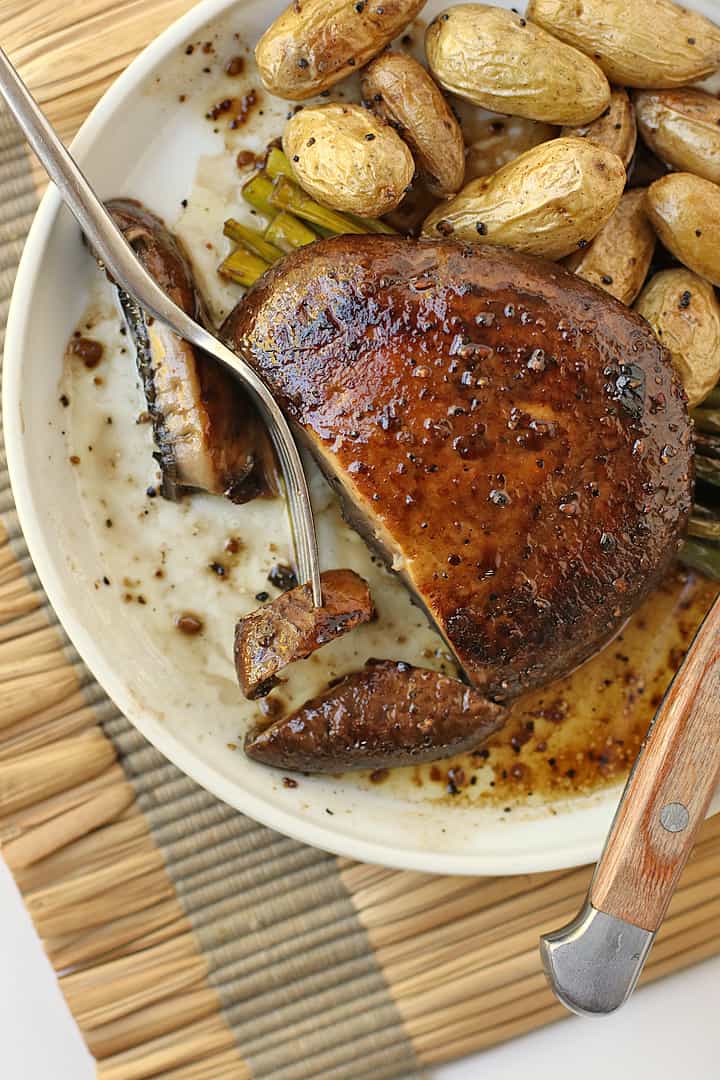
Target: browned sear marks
{"type": "Point", "coordinates": [489, 420]}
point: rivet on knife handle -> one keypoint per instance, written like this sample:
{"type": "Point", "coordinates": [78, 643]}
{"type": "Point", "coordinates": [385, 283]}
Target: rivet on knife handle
{"type": "Point", "coordinates": [594, 963]}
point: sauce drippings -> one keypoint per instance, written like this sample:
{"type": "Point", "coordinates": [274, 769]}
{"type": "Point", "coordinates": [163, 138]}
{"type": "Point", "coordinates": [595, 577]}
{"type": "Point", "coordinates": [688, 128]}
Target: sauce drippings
{"type": "Point", "coordinates": [235, 66]}
{"type": "Point", "coordinates": [583, 732]}
{"type": "Point", "coordinates": [189, 624]}
{"type": "Point", "coordinates": [237, 109]}
{"type": "Point", "coordinates": [87, 350]}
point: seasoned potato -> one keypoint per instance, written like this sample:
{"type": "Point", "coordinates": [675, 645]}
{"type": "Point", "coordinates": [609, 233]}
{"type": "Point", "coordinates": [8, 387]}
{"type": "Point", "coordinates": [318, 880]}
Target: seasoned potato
{"type": "Point", "coordinates": [549, 201]}
{"type": "Point", "coordinates": [619, 257]}
{"type": "Point", "coordinates": [399, 89]}
{"type": "Point", "coordinates": [315, 43]}
{"type": "Point", "coordinates": [493, 141]}
{"type": "Point", "coordinates": [683, 128]}
{"type": "Point", "coordinates": [684, 313]}
{"type": "Point", "coordinates": [499, 60]}
{"type": "Point", "coordinates": [653, 43]}
{"type": "Point", "coordinates": [348, 159]}
{"type": "Point", "coordinates": [615, 128]}
{"type": "Point", "coordinates": [684, 210]}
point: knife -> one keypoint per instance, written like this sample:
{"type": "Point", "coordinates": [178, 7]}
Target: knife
{"type": "Point", "coordinates": [594, 963]}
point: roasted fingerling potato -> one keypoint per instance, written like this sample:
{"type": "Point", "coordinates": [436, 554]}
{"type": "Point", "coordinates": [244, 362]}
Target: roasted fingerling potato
{"type": "Point", "coordinates": [684, 313]}
{"type": "Point", "coordinates": [615, 128]}
{"type": "Point", "coordinates": [497, 59]}
{"type": "Point", "coordinates": [348, 159]}
{"type": "Point", "coordinates": [684, 210]}
{"type": "Point", "coordinates": [619, 257]}
{"type": "Point", "coordinates": [316, 43]}
{"type": "Point", "coordinates": [682, 127]}
{"type": "Point", "coordinates": [400, 91]}
{"type": "Point", "coordinates": [550, 201]}
{"type": "Point", "coordinates": [641, 43]}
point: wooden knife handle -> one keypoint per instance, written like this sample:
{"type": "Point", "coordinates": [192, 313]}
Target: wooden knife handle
{"type": "Point", "coordinates": [668, 792]}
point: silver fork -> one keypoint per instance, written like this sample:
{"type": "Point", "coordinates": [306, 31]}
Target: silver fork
{"type": "Point", "coordinates": [119, 259]}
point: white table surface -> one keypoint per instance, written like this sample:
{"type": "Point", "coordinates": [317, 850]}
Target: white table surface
{"type": "Point", "coordinates": [669, 1031]}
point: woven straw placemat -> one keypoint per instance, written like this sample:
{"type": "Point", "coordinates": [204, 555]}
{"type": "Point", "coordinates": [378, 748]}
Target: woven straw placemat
{"type": "Point", "coordinates": [192, 943]}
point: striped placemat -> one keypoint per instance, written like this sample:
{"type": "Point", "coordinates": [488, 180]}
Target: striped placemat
{"type": "Point", "coordinates": [192, 943]}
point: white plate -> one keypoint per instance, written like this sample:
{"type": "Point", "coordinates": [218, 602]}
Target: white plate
{"type": "Point", "coordinates": [140, 141]}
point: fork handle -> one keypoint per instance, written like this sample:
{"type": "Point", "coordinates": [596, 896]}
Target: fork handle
{"type": "Point", "coordinates": [668, 792]}
{"type": "Point", "coordinates": [109, 245]}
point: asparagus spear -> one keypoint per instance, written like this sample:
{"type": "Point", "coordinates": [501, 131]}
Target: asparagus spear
{"type": "Point", "coordinates": [707, 445]}
{"type": "Point", "coordinates": [704, 523]}
{"type": "Point", "coordinates": [707, 469]}
{"type": "Point", "coordinates": [374, 225]}
{"type": "Point", "coordinates": [703, 557]}
{"type": "Point", "coordinates": [252, 239]}
{"type": "Point", "coordinates": [285, 232]}
{"type": "Point", "coordinates": [286, 195]}
{"type": "Point", "coordinates": [277, 164]}
{"type": "Point", "coordinates": [712, 401]}
{"type": "Point", "coordinates": [707, 420]}
{"type": "Point", "coordinates": [257, 191]}
{"type": "Point", "coordinates": [243, 267]}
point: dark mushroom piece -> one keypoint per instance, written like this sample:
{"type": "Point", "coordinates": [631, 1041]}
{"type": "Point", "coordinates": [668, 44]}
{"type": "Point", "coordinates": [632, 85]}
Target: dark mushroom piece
{"type": "Point", "coordinates": [389, 713]}
{"type": "Point", "coordinates": [513, 440]}
{"type": "Point", "coordinates": [207, 433]}
{"type": "Point", "coordinates": [290, 628]}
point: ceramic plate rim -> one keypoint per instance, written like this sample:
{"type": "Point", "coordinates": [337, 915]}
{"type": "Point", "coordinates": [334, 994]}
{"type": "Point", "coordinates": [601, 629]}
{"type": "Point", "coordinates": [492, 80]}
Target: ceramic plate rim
{"type": "Point", "coordinates": [573, 853]}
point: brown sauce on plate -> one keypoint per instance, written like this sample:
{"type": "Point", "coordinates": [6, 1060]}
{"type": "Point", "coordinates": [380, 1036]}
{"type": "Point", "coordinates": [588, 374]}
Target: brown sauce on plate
{"type": "Point", "coordinates": [583, 732]}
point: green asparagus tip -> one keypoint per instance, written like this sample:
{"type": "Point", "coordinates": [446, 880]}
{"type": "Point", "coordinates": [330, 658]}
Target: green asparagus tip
{"type": "Point", "coordinates": [252, 239]}
{"type": "Point", "coordinates": [277, 164]}
{"type": "Point", "coordinates": [703, 557]}
{"type": "Point", "coordinates": [707, 469]}
{"type": "Point", "coordinates": [287, 232]}
{"type": "Point", "coordinates": [275, 188]}
{"type": "Point", "coordinates": [286, 195]}
{"type": "Point", "coordinates": [257, 191]}
{"type": "Point", "coordinates": [705, 523]}
{"type": "Point", "coordinates": [374, 225]}
{"type": "Point", "coordinates": [243, 267]}
{"type": "Point", "coordinates": [707, 420]}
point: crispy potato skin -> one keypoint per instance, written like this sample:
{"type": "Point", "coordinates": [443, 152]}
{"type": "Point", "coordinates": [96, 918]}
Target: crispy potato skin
{"type": "Point", "coordinates": [316, 43]}
{"type": "Point", "coordinates": [497, 427]}
{"type": "Point", "coordinates": [388, 714]}
{"type": "Point", "coordinates": [401, 92]}
{"type": "Point", "coordinates": [682, 127]}
{"type": "Point", "coordinates": [643, 43]}
{"type": "Point", "coordinates": [684, 210]}
{"type": "Point", "coordinates": [684, 312]}
{"type": "Point", "coordinates": [619, 257]}
{"type": "Point", "coordinates": [546, 202]}
{"type": "Point", "coordinates": [615, 128]}
{"type": "Point", "coordinates": [347, 158]}
{"type": "Point", "coordinates": [497, 59]}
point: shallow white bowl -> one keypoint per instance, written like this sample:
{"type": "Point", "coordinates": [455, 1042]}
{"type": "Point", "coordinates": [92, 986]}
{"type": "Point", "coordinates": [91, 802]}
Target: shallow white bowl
{"type": "Point", "coordinates": [143, 143]}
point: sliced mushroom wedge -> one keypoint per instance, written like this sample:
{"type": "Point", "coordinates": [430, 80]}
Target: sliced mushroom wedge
{"type": "Point", "coordinates": [207, 434]}
{"type": "Point", "coordinates": [291, 628]}
{"type": "Point", "coordinates": [389, 713]}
